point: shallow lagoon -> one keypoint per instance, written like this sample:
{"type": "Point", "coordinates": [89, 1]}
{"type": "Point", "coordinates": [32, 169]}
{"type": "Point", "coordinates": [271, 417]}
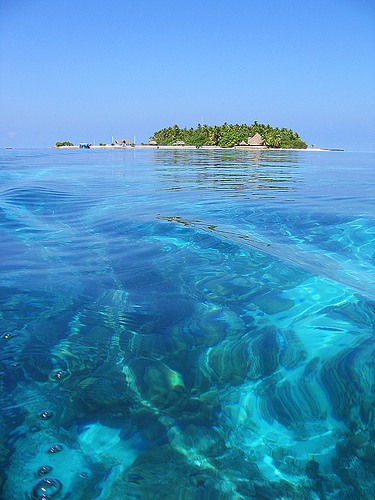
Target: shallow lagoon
{"type": "Point", "coordinates": [187, 324]}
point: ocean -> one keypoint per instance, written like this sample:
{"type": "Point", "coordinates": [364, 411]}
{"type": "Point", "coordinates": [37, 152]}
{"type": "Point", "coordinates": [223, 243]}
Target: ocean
{"type": "Point", "coordinates": [187, 324]}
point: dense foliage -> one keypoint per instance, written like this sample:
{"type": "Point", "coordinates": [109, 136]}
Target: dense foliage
{"type": "Point", "coordinates": [65, 143]}
{"type": "Point", "coordinates": [229, 136]}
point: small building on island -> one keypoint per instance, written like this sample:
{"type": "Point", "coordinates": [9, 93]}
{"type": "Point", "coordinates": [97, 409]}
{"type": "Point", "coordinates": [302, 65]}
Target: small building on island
{"type": "Point", "coordinates": [85, 145]}
{"type": "Point", "coordinates": [123, 142]}
{"type": "Point", "coordinates": [179, 143]}
{"type": "Point", "coordinates": [255, 140]}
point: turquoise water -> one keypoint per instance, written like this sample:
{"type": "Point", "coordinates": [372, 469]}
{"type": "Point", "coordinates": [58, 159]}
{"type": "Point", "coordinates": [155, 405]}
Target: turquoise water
{"type": "Point", "coordinates": [187, 324]}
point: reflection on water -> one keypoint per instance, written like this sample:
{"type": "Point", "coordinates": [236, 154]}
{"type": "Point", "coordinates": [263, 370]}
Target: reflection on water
{"type": "Point", "coordinates": [236, 173]}
{"type": "Point", "coordinates": [198, 342]}
{"type": "Point", "coordinates": [222, 157]}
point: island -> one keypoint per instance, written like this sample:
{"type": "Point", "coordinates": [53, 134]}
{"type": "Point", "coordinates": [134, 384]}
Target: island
{"type": "Point", "coordinates": [257, 136]}
{"type": "Point", "coordinates": [229, 136]}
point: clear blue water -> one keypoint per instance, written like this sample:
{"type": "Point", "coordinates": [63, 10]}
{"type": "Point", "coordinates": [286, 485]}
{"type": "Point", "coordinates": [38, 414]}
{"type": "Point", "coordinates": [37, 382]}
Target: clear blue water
{"type": "Point", "coordinates": [187, 324]}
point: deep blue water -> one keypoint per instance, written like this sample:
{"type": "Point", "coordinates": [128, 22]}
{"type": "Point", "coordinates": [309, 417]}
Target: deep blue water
{"type": "Point", "coordinates": [187, 324]}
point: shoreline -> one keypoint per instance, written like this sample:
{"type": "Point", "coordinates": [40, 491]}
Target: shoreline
{"type": "Point", "coordinates": [246, 148]}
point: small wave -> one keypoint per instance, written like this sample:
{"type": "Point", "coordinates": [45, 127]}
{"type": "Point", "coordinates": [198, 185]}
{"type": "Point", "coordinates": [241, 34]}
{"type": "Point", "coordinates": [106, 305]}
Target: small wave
{"type": "Point", "coordinates": [359, 278]}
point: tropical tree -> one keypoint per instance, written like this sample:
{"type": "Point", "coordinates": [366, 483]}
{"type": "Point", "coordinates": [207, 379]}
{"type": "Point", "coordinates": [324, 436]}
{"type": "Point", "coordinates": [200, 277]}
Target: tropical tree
{"type": "Point", "coordinates": [229, 135]}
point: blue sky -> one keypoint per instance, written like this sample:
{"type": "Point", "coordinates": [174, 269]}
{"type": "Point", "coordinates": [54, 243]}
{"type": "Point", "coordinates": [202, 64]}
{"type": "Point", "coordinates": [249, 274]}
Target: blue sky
{"type": "Point", "coordinates": [89, 70]}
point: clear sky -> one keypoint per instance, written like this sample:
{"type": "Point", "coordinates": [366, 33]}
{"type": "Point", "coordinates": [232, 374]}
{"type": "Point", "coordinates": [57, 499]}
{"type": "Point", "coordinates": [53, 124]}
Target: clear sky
{"type": "Point", "coordinates": [87, 70]}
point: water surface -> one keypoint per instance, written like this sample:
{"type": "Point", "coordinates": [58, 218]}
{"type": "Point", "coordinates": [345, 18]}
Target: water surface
{"type": "Point", "coordinates": [187, 324]}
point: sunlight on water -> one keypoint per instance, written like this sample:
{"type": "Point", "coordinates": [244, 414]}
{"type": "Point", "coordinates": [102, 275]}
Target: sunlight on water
{"type": "Point", "coordinates": [187, 324]}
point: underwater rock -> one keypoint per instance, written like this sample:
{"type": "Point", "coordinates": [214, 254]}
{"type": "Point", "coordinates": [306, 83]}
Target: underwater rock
{"type": "Point", "coordinates": [341, 382]}
{"type": "Point", "coordinates": [228, 473]}
{"type": "Point", "coordinates": [279, 453]}
{"type": "Point", "coordinates": [82, 350]}
{"type": "Point", "coordinates": [347, 475]}
{"type": "Point", "coordinates": [312, 469]}
{"type": "Point", "coordinates": [153, 387]}
{"type": "Point", "coordinates": [292, 404]}
{"type": "Point", "coordinates": [272, 303]}
{"type": "Point", "coordinates": [366, 453]}
{"type": "Point", "coordinates": [266, 491]}
{"type": "Point", "coordinates": [228, 362]}
{"type": "Point", "coordinates": [263, 352]}
{"type": "Point", "coordinates": [156, 385]}
{"type": "Point", "coordinates": [213, 323]}
{"type": "Point", "coordinates": [135, 478]}
{"type": "Point", "coordinates": [359, 440]}
{"type": "Point", "coordinates": [225, 287]}
{"type": "Point", "coordinates": [152, 345]}
{"type": "Point", "coordinates": [105, 387]}
{"type": "Point", "coordinates": [150, 424]}
{"type": "Point", "coordinates": [104, 444]}
{"type": "Point", "coordinates": [311, 367]}
{"type": "Point", "coordinates": [156, 472]}
{"type": "Point", "coordinates": [154, 379]}
{"type": "Point", "coordinates": [357, 313]}
{"type": "Point", "coordinates": [236, 462]}
{"type": "Point", "coordinates": [367, 412]}
{"type": "Point", "coordinates": [199, 441]}
{"type": "Point", "coordinates": [293, 353]}
{"type": "Point", "coordinates": [362, 447]}
{"type": "Point", "coordinates": [4, 452]}
{"type": "Point", "coordinates": [246, 488]}
{"type": "Point", "coordinates": [46, 488]}
{"type": "Point", "coordinates": [252, 356]}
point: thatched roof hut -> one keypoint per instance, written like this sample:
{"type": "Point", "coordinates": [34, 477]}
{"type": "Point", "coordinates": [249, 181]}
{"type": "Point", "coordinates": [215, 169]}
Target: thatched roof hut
{"type": "Point", "coordinates": [179, 143]}
{"type": "Point", "coordinates": [256, 140]}
{"type": "Point", "coordinates": [152, 142]}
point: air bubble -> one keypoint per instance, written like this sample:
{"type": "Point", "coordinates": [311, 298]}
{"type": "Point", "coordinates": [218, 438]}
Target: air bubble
{"type": "Point", "coordinates": [58, 375]}
{"type": "Point", "coordinates": [45, 469]}
{"type": "Point", "coordinates": [46, 415]}
{"type": "Point", "coordinates": [46, 488]}
{"type": "Point", "coordinates": [8, 335]}
{"type": "Point", "coordinates": [55, 448]}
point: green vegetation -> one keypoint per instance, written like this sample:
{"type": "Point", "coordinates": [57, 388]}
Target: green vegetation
{"type": "Point", "coordinates": [227, 136]}
{"type": "Point", "coordinates": [65, 143]}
